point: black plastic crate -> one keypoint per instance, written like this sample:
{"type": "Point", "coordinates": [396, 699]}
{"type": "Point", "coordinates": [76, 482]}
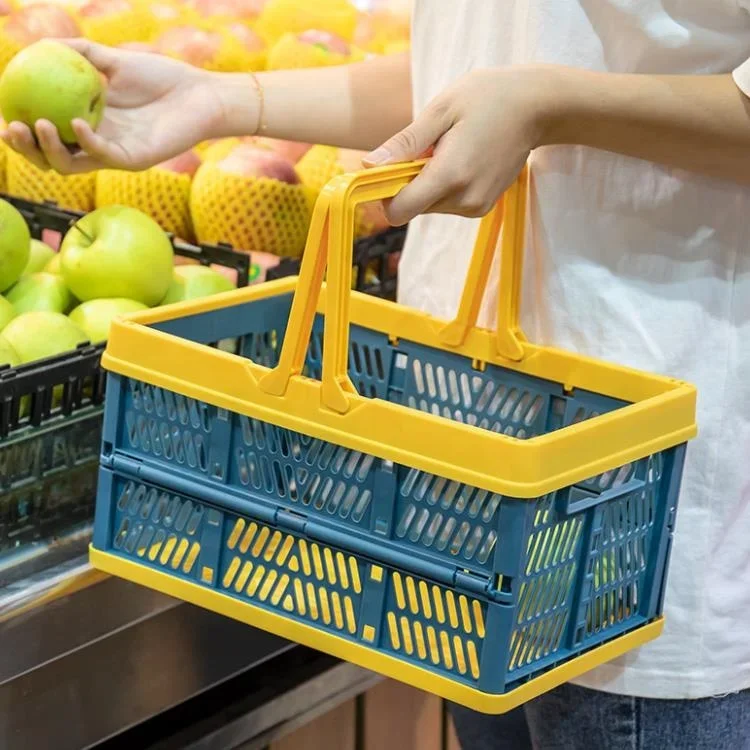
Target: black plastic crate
{"type": "Point", "coordinates": [33, 394]}
{"type": "Point", "coordinates": [377, 254]}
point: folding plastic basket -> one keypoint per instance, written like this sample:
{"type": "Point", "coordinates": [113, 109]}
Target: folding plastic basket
{"type": "Point", "coordinates": [460, 509]}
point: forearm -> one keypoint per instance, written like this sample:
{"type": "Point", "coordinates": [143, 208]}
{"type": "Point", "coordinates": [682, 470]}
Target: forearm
{"type": "Point", "coordinates": [697, 123]}
{"type": "Point", "coordinates": [353, 106]}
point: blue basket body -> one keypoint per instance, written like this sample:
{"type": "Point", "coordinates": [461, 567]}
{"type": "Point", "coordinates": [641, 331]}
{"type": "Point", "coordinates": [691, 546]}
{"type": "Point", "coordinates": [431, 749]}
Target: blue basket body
{"type": "Point", "coordinates": [486, 590]}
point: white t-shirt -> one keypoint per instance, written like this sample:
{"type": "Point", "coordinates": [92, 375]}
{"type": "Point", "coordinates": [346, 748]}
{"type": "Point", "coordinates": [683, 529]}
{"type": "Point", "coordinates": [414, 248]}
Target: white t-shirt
{"type": "Point", "coordinates": [633, 263]}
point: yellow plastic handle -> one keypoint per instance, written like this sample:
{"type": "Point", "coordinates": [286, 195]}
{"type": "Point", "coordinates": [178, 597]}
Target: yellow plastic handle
{"type": "Point", "coordinates": [330, 242]}
{"type": "Point", "coordinates": [509, 214]}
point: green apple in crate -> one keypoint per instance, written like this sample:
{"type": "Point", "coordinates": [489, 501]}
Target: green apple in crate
{"type": "Point", "coordinates": [51, 81]}
{"type": "Point", "coordinates": [54, 265]}
{"type": "Point", "coordinates": [15, 245]}
{"type": "Point", "coordinates": [7, 312]}
{"type": "Point", "coordinates": [40, 291]}
{"type": "Point", "coordinates": [117, 252]}
{"type": "Point", "coordinates": [193, 282]}
{"type": "Point", "coordinates": [95, 316]}
{"type": "Point", "coordinates": [8, 355]}
{"type": "Point", "coordinates": [41, 254]}
{"type": "Point", "coordinates": [38, 335]}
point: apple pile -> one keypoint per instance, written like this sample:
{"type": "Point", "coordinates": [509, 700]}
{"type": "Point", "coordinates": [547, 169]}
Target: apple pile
{"type": "Point", "coordinates": [112, 261]}
{"type": "Point", "coordinates": [267, 186]}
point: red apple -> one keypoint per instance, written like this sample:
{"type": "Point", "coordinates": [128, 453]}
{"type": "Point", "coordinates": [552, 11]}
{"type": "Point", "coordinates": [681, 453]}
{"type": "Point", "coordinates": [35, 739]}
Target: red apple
{"type": "Point", "coordinates": [247, 10]}
{"type": "Point", "coordinates": [246, 37]}
{"type": "Point", "coordinates": [190, 44]}
{"type": "Point", "coordinates": [43, 21]}
{"type": "Point", "coordinates": [325, 40]}
{"type": "Point", "coordinates": [246, 160]}
{"type": "Point", "coordinates": [104, 8]}
{"type": "Point", "coordinates": [186, 163]}
{"type": "Point", "coordinates": [292, 151]}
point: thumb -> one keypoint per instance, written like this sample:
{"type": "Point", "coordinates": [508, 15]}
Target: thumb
{"type": "Point", "coordinates": [410, 143]}
{"type": "Point", "coordinates": [103, 58]}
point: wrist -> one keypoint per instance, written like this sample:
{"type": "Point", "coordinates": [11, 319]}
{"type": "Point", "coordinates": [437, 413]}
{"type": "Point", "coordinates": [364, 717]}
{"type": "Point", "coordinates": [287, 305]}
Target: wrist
{"type": "Point", "coordinates": [235, 105]}
{"type": "Point", "coordinates": [558, 103]}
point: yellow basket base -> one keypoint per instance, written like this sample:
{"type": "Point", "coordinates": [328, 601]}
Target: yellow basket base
{"type": "Point", "coordinates": [364, 656]}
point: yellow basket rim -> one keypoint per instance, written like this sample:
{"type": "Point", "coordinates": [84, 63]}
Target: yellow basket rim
{"type": "Point", "coordinates": [660, 413]}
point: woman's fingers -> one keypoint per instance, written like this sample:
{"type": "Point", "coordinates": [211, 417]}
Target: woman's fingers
{"type": "Point", "coordinates": [98, 147]}
{"type": "Point", "coordinates": [55, 152]}
{"type": "Point", "coordinates": [21, 139]}
{"type": "Point", "coordinates": [103, 58]}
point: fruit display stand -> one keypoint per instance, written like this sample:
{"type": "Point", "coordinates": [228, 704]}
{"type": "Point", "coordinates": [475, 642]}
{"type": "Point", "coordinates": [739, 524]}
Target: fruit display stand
{"type": "Point", "coordinates": [60, 620]}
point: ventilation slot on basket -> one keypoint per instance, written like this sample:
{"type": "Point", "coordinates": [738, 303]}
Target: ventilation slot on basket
{"type": "Point", "coordinates": [368, 363]}
{"type": "Point", "coordinates": [447, 516]}
{"type": "Point", "coordinates": [436, 625]}
{"type": "Point", "coordinates": [262, 348]}
{"type": "Point", "coordinates": [475, 399]}
{"type": "Point", "coordinates": [303, 578]}
{"type": "Point", "coordinates": [168, 425]}
{"type": "Point", "coordinates": [544, 594]}
{"type": "Point", "coordinates": [321, 476]}
{"type": "Point", "coordinates": [619, 557]}
{"type": "Point", "coordinates": [157, 527]}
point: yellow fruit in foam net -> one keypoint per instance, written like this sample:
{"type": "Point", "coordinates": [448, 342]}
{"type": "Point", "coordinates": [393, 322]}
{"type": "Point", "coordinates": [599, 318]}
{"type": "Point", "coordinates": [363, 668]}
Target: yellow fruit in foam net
{"type": "Point", "coordinates": [167, 13]}
{"type": "Point", "coordinates": [321, 164]}
{"type": "Point", "coordinates": [115, 22]}
{"type": "Point", "coordinates": [251, 213]}
{"type": "Point", "coordinates": [8, 48]}
{"type": "Point", "coordinates": [160, 193]}
{"type": "Point", "coordinates": [294, 16]}
{"type": "Point", "coordinates": [382, 32]}
{"type": "Point", "coordinates": [217, 150]}
{"type": "Point", "coordinates": [24, 180]}
{"type": "Point", "coordinates": [211, 46]}
{"type": "Point", "coordinates": [292, 52]}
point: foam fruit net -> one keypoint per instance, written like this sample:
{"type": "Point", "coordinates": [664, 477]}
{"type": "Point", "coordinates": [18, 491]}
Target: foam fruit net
{"type": "Point", "coordinates": [163, 195]}
{"type": "Point", "coordinates": [318, 167]}
{"type": "Point", "coordinates": [252, 214]}
{"type": "Point", "coordinates": [24, 180]}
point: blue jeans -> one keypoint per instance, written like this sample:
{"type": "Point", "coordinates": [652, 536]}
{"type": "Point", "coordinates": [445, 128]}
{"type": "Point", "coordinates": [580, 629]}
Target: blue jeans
{"type": "Point", "coordinates": [574, 718]}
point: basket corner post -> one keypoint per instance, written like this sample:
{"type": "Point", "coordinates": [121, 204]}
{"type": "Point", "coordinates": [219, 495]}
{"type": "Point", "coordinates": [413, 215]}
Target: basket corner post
{"type": "Point", "coordinates": [657, 572]}
{"type": "Point", "coordinates": [513, 527]}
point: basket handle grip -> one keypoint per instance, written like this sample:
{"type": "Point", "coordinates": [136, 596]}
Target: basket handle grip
{"type": "Point", "coordinates": [330, 243]}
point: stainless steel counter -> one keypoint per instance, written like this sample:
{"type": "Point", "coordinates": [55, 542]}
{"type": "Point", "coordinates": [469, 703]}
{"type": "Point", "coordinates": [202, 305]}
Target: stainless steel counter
{"type": "Point", "coordinates": [86, 659]}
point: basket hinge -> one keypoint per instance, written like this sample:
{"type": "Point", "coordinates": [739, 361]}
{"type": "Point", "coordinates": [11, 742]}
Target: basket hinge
{"type": "Point", "coordinates": [476, 585]}
{"type": "Point", "coordinates": [119, 463]}
{"type": "Point", "coordinates": [289, 521]}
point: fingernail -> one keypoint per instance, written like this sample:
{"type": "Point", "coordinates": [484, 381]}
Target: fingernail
{"type": "Point", "coordinates": [378, 156]}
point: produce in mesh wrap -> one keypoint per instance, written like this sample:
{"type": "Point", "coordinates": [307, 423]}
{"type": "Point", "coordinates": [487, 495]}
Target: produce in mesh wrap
{"type": "Point", "coordinates": [252, 199]}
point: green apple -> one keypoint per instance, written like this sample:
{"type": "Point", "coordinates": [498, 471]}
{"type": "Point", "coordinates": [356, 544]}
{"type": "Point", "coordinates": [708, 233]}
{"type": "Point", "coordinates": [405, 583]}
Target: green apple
{"type": "Point", "coordinates": [117, 251]}
{"type": "Point", "coordinates": [49, 80]}
{"type": "Point", "coordinates": [54, 265]}
{"type": "Point", "coordinates": [95, 316]}
{"type": "Point", "coordinates": [40, 256]}
{"type": "Point", "coordinates": [15, 245]}
{"type": "Point", "coordinates": [7, 312]}
{"type": "Point", "coordinates": [192, 282]}
{"type": "Point", "coordinates": [37, 335]}
{"type": "Point", "coordinates": [40, 291]}
{"type": "Point", "coordinates": [8, 355]}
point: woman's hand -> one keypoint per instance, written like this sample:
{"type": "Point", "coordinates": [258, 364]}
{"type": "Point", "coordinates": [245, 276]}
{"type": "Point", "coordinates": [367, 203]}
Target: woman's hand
{"type": "Point", "coordinates": [482, 129]}
{"type": "Point", "coordinates": [156, 108]}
